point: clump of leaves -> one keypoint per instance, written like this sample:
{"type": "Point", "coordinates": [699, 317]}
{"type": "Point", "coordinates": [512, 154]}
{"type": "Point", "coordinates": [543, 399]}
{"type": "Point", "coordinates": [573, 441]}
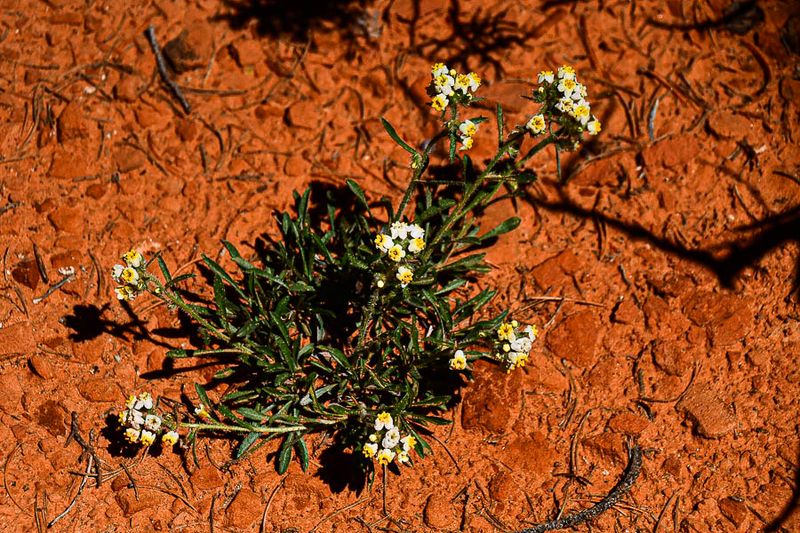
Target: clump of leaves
{"type": "Point", "coordinates": [359, 313]}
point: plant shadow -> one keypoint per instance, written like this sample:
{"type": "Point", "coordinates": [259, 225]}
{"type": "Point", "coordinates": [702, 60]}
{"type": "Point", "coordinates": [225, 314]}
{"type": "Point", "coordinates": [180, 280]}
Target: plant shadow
{"type": "Point", "coordinates": [296, 19]}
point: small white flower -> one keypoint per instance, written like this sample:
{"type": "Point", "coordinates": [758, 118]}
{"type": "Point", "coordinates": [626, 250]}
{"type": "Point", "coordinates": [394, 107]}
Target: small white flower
{"type": "Point", "coordinates": [147, 438]}
{"type": "Point", "coordinates": [402, 457]}
{"type": "Point", "coordinates": [416, 231]}
{"type": "Point", "coordinates": [391, 439]}
{"type": "Point", "coordinates": [144, 401]}
{"type": "Point", "coordinates": [152, 422]}
{"type": "Point", "coordinates": [439, 69]}
{"type": "Point", "coordinates": [135, 419]}
{"type": "Point", "coordinates": [370, 449]}
{"type": "Point", "coordinates": [567, 86]}
{"type": "Point", "coordinates": [593, 127]}
{"type": "Point", "coordinates": [399, 230]}
{"type": "Point", "coordinates": [459, 361]}
{"type": "Point", "coordinates": [383, 242]}
{"type": "Point", "coordinates": [116, 273]}
{"type": "Point", "coordinates": [566, 72]}
{"type": "Point", "coordinates": [530, 331]}
{"type": "Point", "coordinates": [384, 421]}
{"type": "Point", "coordinates": [416, 246]}
{"type": "Point", "coordinates": [170, 438]}
{"type": "Point", "coordinates": [405, 275]}
{"type": "Point", "coordinates": [409, 441]}
{"type": "Point", "coordinates": [536, 124]}
{"type": "Point", "coordinates": [546, 76]}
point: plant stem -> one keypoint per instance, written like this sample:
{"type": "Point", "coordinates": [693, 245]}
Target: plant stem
{"type": "Point", "coordinates": [176, 300]}
{"type": "Point", "coordinates": [225, 427]}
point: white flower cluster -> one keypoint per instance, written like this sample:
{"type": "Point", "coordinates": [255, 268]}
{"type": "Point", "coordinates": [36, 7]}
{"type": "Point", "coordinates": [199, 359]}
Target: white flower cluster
{"type": "Point", "coordinates": [142, 424]}
{"type": "Point", "coordinates": [514, 344]}
{"type": "Point", "coordinates": [448, 85]}
{"type": "Point", "coordinates": [385, 444]}
{"type": "Point", "coordinates": [569, 98]}
{"type": "Point", "coordinates": [466, 130]}
{"type": "Point", "coordinates": [129, 276]}
{"type": "Point", "coordinates": [402, 239]}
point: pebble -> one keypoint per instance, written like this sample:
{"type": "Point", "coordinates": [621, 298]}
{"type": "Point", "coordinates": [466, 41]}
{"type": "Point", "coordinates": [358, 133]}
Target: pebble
{"type": "Point", "coordinates": [68, 219]}
{"type": "Point", "coordinates": [73, 124]}
{"type": "Point", "coordinates": [576, 338]}
{"type": "Point", "coordinates": [734, 510]}
{"type": "Point", "coordinates": [492, 402]}
{"type": "Point", "coordinates": [101, 389]}
{"type": "Point", "coordinates": [206, 478]}
{"type": "Point", "coordinates": [26, 273]}
{"type": "Point", "coordinates": [11, 392]}
{"type": "Point", "coordinates": [439, 512]}
{"type": "Point", "coordinates": [191, 49]}
{"type": "Point", "coordinates": [42, 367]}
{"type": "Point", "coordinates": [246, 508]}
{"type": "Point", "coordinates": [711, 417]}
{"type": "Point", "coordinates": [17, 339]}
{"type": "Point", "coordinates": [52, 416]}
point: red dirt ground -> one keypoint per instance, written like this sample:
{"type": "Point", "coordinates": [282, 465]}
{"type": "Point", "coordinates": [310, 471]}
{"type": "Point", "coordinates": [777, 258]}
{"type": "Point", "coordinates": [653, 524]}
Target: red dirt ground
{"type": "Point", "coordinates": [674, 245]}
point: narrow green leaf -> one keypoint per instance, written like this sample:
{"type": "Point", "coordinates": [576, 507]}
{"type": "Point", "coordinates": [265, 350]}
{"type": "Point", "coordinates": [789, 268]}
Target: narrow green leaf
{"type": "Point", "coordinates": [285, 454]}
{"type": "Point", "coordinates": [359, 192]}
{"type": "Point", "coordinates": [504, 227]}
{"type": "Point", "coordinates": [302, 453]}
{"type": "Point", "coordinates": [246, 443]}
{"type": "Point", "coordinates": [164, 270]}
{"type": "Point", "coordinates": [500, 125]}
{"type": "Point", "coordinates": [201, 393]}
{"type": "Point", "coordinates": [396, 138]}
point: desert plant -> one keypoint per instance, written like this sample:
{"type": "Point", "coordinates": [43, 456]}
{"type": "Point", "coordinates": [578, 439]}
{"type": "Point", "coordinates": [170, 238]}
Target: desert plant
{"type": "Point", "coordinates": [361, 321]}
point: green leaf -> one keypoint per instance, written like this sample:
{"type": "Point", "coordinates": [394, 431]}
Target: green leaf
{"type": "Point", "coordinates": [178, 353]}
{"type": "Point", "coordinates": [504, 227]}
{"type": "Point", "coordinates": [223, 274]}
{"type": "Point", "coordinates": [201, 393]}
{"type": "Point", "coordinates": [500, 125]}
{"type": "Point", "coordinates": [358, 191]}
{"type": "Point", "coordinates": [337, 354]}
{"type": "Point", "coordinates": [164, 270]}
{"type": "Point", "coordinates": [302, 453]}
{"type": "Point", "coordinates": [246, 443]}
{"type": "Point", "coordinates": [396, 138]}
{"type": "Point", "coordinates": [285, 454]}
{"type": "Point", "coordinates": [178, 279]}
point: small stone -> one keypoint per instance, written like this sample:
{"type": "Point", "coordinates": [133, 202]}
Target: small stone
{"type": "Point", "coordinates": [537, 466]}
{"type": "Point", "coordinates": [248, 53]}
{"type": "Point", "coordinates": [100, 390]}
{"type": "Point", "coordinates": [576, 339]}
{"type": "Point", "coordinates": [42, 367]}
{"type": "Point", "coordinates": [128, 159]}
{"type": "Point", "coordinates": [730, 125]}
{"type": "Point", "coordinates": [191, 49]}
{"type": "Point", "coordinates": [493, 400]}
{"type": "Point", "coordinates": [556, 270]}
{"type": "Point", "coordinates": [52, 416]}
{"type": "Point", "coordinates": [296, 165]}
{"type": "Point", "coordinates": [12, 393]}
{"type": "Point", "coordinates": [26, 273]}
{"type": "Point", "coordinates": [628, 424]}
{"type": "Point", "coordinates": [671, 358]}
{"type": "Point", "coordinates": [68, 163]}
{"type": "Point", "coordinates": [304, 114]}
{"type": "Point", "coordinates": [67, 259]}
{"type": "Point", "coordinates": [72, 123]}
{"type": "Point", "coordinates": [67, 219]}
{"type": "Point", "coordinates": [17, 339]}
{"type": "Point", "coordinates": [439, 512]}
{"type": "Point", "coordinates": [127, 88]}
{"type": "Point", "coordinates": [711, 417]}
{"type": "Point", "coordinates": [673, 152]}
{"type": "Point", "coordinates": [186, 130]}
{"type": "Point", "coordinates": [130, 505]}
{"type": "Point", "coordinates": [734, 510]}
{"type": "Point", "coordinates": [245, 509]}
{"type": "Point", "coordinates": [96, 190]}
{"type": "Point", "coordinates": [626, 312]}
{"type": "Point", "coordinates": [206, 478]}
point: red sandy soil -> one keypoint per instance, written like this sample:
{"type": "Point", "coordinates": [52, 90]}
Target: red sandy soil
{"type": "Point", "coordinates": [678, 328]}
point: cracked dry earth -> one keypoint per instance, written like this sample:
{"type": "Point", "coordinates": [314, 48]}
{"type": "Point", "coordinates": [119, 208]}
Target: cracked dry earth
{"type": "Point", "coordinates": [662, 272]}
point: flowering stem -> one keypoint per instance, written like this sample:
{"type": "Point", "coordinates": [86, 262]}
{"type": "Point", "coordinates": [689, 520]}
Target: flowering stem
{"type": "Point", "coordinates": [241, 429]}
{"type": "Point", "coordinates": [366, 318]}
{"type": "Point", "coordinates": [176, 300]}
{"type": "Point", "coordinates": [423, 165]}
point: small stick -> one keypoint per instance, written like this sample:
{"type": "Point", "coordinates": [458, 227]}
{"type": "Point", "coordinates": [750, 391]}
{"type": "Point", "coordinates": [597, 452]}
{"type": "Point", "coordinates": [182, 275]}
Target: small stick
{"type": "Point", "coordinates": [133, 481]}
{"type": "Point", "coordinates": [339, 511]}
{"type": "Point", "coordinates": [66, 279]}
{"type": "Point", "coordinates": [449, 453]}
{"type": "Point", "coordinates": [269, 502]}
{"type": "Point", "coordinates": [5, 477]}
{"type": "Point", "coordinates": [620, 489]}
{"type": "Point", "coordinates": [40, 264]}
{"type": "Point", "coordinates": [86, 475]}
{"type": "Point", "coordinates": [150, 33]}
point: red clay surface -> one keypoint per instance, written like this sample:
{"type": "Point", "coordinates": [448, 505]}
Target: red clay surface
{"type": "Point", "coordinates": [674, 245]}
